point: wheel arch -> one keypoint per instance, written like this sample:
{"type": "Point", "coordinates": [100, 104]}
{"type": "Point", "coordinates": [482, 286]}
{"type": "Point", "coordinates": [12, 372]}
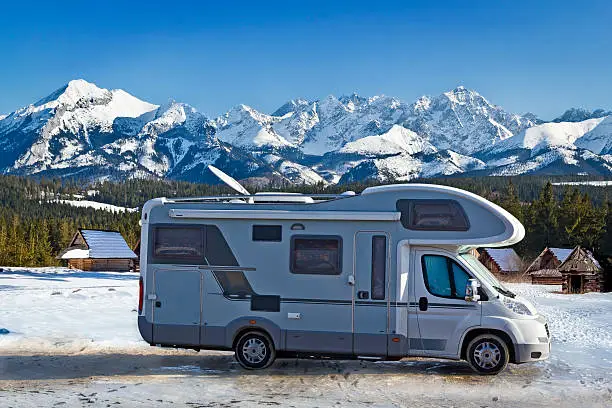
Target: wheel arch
{"type": "Point", "coordinates": [239, 327]}
{"type": "Point", "coordinates": [473, 333]}
{"type": "Point", "coordinates": [250, 329]}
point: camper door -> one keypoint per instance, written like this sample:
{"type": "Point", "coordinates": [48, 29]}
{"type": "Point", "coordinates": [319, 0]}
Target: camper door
{"type": "Point", "coordinates": [175, 255]}
{"type": "Point", "coordinates": [371, 293]}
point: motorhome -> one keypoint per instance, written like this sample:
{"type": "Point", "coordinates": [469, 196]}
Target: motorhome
{"type": "Point", "coordinates": [384, 274]}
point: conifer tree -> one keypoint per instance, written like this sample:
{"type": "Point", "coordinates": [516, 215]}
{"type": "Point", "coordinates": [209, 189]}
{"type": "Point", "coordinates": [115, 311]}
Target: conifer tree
{"type": "Point", "coordinates": [545, 216]}
{"type": "Point", "coordinates": [511, 202]}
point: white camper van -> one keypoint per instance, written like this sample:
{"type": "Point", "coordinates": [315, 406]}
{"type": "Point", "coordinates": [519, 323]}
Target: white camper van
{"type": "Point", "coordinates": [384, 274]}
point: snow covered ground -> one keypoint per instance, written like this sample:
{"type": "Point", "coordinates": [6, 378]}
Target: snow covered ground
{"type": "Point", "coordinates": [580, 326]}
{"type": "Point", "coordinates": [97, 206]}
{"type": "Point", "coordinates": [584, 183]}
{"type": "Point", "coordinates": [73, 341]}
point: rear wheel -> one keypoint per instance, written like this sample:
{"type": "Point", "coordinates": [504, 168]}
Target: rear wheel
{"type": "Point", "coordinates": [488, 354]}
{"type": "Point", "coordinates": [255, 350]}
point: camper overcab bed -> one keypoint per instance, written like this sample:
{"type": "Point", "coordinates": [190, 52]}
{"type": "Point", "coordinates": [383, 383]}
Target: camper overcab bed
{"type": "Point", "coordinates": [384, 274]}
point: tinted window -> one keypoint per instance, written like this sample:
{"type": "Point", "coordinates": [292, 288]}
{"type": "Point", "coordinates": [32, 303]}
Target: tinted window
{"type": "Point", "coordinates": [461, 279]}
{"type": "Point", "coordinates": [444, 277]}
{"type": "Point", "coordinates": [190, 245]}
{"type": "Point", "coordinates": [437, 279]}
{"type": "Point", "coordinates": [433, 215]}
{"type": "Point", "coordinates": [233, 283]}
{"type": "Point", "coordinates": [379, 264]}
{"type": "Point", "coordinates": [316, 255]}
{"type": "Point", "coordinates": [179, 243]}
{"type": "Point", "coordinates": [267, 233]}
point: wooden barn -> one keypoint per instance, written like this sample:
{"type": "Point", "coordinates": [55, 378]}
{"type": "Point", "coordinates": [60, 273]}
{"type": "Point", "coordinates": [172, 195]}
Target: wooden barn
{"type": "Point", "coordinates": [544, 270]}
{"type": "Point", "coordinates": [500, 261]}
{"type": "Point", "coordinates": [581, 273]}
{"type": "Point", "coordinates": [96, 250]}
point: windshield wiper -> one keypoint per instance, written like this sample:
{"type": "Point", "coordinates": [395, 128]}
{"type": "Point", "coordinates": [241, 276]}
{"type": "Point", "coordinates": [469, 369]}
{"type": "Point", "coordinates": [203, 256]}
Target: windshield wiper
{"type": "Point", "coordinates": [504, 292]}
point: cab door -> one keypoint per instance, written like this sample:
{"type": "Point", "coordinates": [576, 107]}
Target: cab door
{"type": "Point", "coordinates": [443, 314]}
{"type": "Point", "coordinates": [370, 296]}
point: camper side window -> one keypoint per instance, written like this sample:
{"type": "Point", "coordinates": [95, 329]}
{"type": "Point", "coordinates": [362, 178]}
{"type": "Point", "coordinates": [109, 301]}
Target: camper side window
{"type": "Point", "coordinates": [444, 277]}
{"type": "Point", "coordinates": [233, 283]}
{"type": "Point", "coordinates": [178, 245]}
{"type": "Point", "coordinates": [273, 233]}
{"type": "Point", "coordinates": [379, 265]}
{"type": "Point", "coordinates": [432, 215]}
{"type": "Point", "coordinates": [316, 255]}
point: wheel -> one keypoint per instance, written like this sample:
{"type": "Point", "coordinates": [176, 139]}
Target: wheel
{"type": "Point", "coordinates": [255, 350]}
{"type": "Point", "coordinates": [487, 354]}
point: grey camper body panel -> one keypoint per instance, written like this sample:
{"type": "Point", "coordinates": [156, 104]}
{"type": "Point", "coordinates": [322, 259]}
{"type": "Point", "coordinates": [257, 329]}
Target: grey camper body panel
{"type": "Point", "coordinates": [333, 277]}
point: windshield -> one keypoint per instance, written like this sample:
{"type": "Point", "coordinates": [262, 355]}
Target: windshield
{"type": "Point", "coordinates": [483, 273]}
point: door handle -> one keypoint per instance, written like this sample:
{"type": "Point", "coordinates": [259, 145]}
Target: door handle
{"type": "Point", "coordinates": [423, 302]}
{"type": "Point", "coordinates": [158, 304]}
{"type": "Point", "coordinates": [363, 294]}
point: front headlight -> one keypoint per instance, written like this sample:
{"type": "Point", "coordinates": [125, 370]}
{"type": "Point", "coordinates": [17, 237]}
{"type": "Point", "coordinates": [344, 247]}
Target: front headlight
{"type": "Point", "coordinates": [519, 306]}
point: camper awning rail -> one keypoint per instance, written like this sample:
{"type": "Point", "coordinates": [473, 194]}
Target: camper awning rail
{"type": "Point", "coordinates": [248, 214]}
{"type": "Point", "coordinates": [316, 197]}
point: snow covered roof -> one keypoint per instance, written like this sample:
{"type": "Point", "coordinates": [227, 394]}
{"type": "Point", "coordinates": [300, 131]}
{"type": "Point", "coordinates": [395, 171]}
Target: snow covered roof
{"type": "Point", "coordinates": [505, 258]}
{"type": "Point", "coordinates": [107, 244]}
{"type": "Point", "coordinates": [581, 260]}
{"type": "Point", "coordinates": [74, 253]}
{"type": "Point", "coordinates": [561, 253]}
{"type": "Point", "coordinates": [99, 245]}
{"type": "Point", "coordinates": [546, 273]}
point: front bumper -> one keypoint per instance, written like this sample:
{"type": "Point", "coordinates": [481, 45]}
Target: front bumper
{"type": "Point", "coordinates": [531, 339]}
{"type": "Point", "coordinates": [525, 353]}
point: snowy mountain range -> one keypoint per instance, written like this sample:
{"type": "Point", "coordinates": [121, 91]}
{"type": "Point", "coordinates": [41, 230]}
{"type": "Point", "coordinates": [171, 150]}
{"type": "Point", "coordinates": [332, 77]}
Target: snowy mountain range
{"type": "Point", "coordinates": [84, 131]}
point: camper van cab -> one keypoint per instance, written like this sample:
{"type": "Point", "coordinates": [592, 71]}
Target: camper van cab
{"type": "Point", "coordinates": [384, 274]}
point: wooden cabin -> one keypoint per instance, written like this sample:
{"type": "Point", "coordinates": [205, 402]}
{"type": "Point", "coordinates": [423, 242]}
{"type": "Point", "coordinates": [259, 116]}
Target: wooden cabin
{"type": "Point", "coordinates": [500, 261]}
{"type": "Point", "coordinates": [97, 250]}
{"type": "Point", "coordinates": [581, 273]}
{"type": "Point", "coordinates": [544, 270]}
{"type": "Point", "coordinates": [136, 262]}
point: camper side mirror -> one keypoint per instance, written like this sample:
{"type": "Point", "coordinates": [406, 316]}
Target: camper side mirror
{"type": "Point", "coordinates": [471, 291]}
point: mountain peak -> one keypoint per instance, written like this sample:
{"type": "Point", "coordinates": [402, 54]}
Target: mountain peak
{"type": "Point", "coordinates": [581, 114]}
{"type": "Point", "coordinates": [72, 93]}
{"type": "Point", "coordinates": [290, 106]}
{"type": "Point", "coordinates": [81, 84]}
{"type": "Point", "coordinates": [461, 90]}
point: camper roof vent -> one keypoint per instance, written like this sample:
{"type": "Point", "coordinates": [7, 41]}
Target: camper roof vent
{"type": "Point", "coordinates": [279, 197]}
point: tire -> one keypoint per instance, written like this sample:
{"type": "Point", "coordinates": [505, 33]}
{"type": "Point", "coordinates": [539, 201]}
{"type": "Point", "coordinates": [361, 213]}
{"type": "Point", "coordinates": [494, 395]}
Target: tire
{"type": "Point", "coordinates": [488, 354]}
{"type": "Point", "coordinates": [254, 350]}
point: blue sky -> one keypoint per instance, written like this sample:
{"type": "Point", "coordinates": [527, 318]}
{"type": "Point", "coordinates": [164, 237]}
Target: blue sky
{"type": "Point", "coordinates": [538, 56]}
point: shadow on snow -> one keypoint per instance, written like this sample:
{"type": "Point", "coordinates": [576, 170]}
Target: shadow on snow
{"type": "Point", "coordinates": [51, 367]}
{"type": "Point", "coordinates": [64, 276]}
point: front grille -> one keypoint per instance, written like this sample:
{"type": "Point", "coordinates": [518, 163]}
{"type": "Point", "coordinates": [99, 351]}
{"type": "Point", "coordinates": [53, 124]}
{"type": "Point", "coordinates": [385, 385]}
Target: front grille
{"type": "Point", "coordinates": [547, 331]}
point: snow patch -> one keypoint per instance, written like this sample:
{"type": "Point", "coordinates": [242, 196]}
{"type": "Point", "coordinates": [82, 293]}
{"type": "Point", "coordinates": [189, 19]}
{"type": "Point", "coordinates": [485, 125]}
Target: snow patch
{"type": "Point", "coordinates": [397, 140]}
{"type": "Point", "coordinates": [97, 206]}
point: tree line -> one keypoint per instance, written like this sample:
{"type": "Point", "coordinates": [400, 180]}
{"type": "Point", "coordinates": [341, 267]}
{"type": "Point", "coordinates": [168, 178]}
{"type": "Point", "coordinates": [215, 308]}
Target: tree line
{"type": "Point", "coordinates": [35, 227]}
{"type": "Point", "coordinates": [566, 222]}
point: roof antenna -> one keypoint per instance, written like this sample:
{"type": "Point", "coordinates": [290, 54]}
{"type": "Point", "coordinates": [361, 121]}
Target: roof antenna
{"type": "Point", "coordinates": [229, 180]}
